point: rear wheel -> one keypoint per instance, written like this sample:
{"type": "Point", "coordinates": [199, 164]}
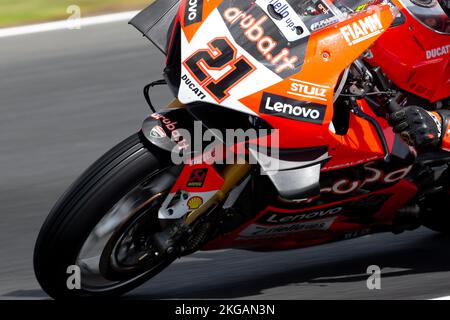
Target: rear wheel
{"type": "Point", "coordinates": [102, 228]}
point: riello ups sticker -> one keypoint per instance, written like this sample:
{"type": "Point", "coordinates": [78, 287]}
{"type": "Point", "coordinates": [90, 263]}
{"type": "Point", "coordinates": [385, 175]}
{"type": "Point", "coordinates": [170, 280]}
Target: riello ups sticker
{"type": "Point", "coordinates": [193, 12]}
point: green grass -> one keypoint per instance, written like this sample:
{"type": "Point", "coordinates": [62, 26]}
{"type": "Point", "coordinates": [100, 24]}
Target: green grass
{"type": "Point", "coordinates": [19, 12]}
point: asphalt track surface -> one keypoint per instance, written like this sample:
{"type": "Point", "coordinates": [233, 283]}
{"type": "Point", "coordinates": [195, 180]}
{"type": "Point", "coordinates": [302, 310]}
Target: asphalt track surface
{"type": "Point", "coordinates": [68, 96]}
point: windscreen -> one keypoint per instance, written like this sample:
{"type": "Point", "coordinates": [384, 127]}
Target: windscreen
{"type": "Point", "coordinates": [432, 13]}
{"type": "Point", "coordinates": [318, 14]}
{"type": "Point", "coordinates": [155, 21]}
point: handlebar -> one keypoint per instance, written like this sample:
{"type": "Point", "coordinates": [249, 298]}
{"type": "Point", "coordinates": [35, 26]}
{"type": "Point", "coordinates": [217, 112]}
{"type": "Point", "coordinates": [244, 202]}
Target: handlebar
{"type": "Point", "coordinates": [393, 106]}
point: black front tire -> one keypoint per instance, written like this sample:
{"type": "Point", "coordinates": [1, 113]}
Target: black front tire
{"type": "Point", "coordinates": [79, 210]}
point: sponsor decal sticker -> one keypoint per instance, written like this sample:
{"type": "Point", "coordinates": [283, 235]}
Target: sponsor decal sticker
{"type": "Point", "coordinates": [322, 7]}
{"type": "Point", "coordinates": [323, 23]}
{"type": "Point", "coordinates": [308, 90]}
{"type": "Point", "coordinates": [158, 132]}
{"type": "Point", "coordinates": [171, 126]}
{"type": "Point", "coordinates": [191, 85]}
{"type": "Point", "coordinates": [255, 230]}
{"type": "Point", "coordinates": [292, 109]}
{"type": "Point", "coordinates": [195, 203]}
{"type": "Point", "coordinates": [289, 22]}
{"type": "Point", "coordinates": [279, 218]}
{"type": "Point", "coordinates": [362, 29]}
{"type": "Point", "coordinates": [250, 31]}
{"type": "Point", "coordinates": [356, 234]}
{"type": "Point", "coordinates": [194, 12]}
{"type": "Point", "coordinates": [438, 52]}
{"type": "Point", "coordinates": [345, 186]}
{"type": "Point", "coordinates": [197, 178]}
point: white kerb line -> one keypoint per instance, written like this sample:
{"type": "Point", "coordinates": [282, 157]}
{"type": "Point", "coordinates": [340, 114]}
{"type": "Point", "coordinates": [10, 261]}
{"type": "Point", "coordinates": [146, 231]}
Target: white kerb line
{"type": "Point", "coordinates": [65, 24]}
{"type": "Point", "coordinates": [442, 298]}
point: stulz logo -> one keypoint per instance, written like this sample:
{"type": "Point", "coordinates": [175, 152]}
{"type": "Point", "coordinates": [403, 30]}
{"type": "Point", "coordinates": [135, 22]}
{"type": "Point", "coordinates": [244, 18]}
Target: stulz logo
{"type": "Point", "coordinates": [362, 29]}
{"type": "Point", "coordinates": [438, 52]}
{"type": "Point", "coordinates": [292, 109]}
{"type": "Point", "coordinates": [308, 90]}
{"type": "Point", "coordinates": [194, 12]}
{"type": "Point", "coordinates": [276, 218]}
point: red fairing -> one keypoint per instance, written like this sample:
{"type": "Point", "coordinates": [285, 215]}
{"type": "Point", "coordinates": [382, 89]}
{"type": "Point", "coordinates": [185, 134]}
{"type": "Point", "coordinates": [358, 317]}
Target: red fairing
{"type": "Point", "coordinates": [281, 229]}
{"type": "Point", "coordinates": [415, 58]}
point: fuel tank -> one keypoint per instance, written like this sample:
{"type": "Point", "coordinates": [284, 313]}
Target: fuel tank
{"type": "Point", "coordinates": [415, 52]}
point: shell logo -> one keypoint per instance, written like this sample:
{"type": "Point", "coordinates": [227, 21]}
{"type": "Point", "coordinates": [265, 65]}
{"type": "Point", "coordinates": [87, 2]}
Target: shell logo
{"type": "Point", "coordinates": [195, 203]}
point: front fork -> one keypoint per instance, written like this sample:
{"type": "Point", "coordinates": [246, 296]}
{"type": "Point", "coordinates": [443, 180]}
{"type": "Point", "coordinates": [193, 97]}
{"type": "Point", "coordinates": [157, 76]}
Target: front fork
{"type": "Point", "coordinates": [201, 187]}
{"type": "Point", "coordinates": [232, 175]}
{"type": "Point", "coordinates": [199, 190]}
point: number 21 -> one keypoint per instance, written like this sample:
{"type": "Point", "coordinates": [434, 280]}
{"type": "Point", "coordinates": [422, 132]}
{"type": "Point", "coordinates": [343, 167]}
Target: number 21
{"type": "Point", "coordinates": [221, 54]}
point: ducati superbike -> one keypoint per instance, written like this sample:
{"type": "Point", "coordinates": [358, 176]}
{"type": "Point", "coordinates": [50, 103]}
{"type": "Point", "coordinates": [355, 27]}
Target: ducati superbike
{"type": "Point", "coordinates": [321, 165]}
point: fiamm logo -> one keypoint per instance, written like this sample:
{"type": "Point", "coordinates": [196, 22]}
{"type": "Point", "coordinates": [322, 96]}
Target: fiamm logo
{"type": "Point", "coordinates": [362, 29]}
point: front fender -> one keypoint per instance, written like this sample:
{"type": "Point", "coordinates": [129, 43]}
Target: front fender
{"type": "Point", "coordinates": [166, 128]}
{"type": "Point", "coordinates": [296, 174]}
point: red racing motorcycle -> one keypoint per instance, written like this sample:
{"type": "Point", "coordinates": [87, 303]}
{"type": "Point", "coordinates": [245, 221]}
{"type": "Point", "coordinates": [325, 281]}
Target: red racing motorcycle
{"type": "Point", "coordinates": [277, 139]}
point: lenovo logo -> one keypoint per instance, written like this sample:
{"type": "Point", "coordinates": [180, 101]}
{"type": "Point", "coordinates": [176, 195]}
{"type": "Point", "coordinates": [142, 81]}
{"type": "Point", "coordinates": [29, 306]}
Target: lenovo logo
{"type": "Point", "coordinates": [292, 109]}
{"type": "Point", "coordinates": [282, 218]}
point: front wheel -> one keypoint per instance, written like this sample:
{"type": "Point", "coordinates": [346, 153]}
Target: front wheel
{"type": "Point", "coordinates": [98, 239]}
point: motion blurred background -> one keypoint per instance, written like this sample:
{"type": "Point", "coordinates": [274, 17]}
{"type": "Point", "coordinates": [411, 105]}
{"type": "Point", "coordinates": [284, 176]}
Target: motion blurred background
{"type": "Point", "coordinates": [14, 12]}
{"type": "Point", "coordinates": [67, 96]}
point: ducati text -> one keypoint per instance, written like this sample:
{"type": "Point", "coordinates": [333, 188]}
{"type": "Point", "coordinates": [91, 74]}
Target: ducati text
{"type": "Point", "coordinates": [438, 52]}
